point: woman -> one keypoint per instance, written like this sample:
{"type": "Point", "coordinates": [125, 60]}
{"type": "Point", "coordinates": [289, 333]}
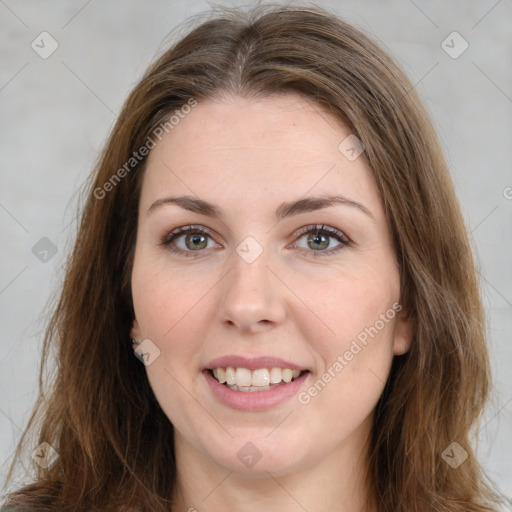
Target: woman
{"type": "Point", "coordinates": [273, 228]}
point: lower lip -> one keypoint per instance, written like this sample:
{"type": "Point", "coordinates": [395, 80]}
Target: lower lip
{"type": "Point", "coordinates": [255, 400]}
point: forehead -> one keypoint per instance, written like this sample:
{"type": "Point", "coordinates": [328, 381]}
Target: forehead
{"type": "Point", "coordinates": [277, 145]}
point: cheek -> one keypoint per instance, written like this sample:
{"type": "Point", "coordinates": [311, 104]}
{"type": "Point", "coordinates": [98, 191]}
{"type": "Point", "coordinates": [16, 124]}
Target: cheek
{"type": "Point", "coordinates": [172, 310]}
{"type": "Point", "coordinates": [352, 334]}
{"type": "Point", "coordinates": [163, 297]}
{"type": "Point", "coordinates": [341, 307]}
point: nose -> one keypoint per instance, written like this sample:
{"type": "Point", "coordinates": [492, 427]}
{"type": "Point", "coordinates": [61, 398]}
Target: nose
{"type": "Point", "coordinates": [252, 296]}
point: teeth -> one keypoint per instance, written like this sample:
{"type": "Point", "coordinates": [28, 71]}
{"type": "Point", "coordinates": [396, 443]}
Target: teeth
{"type": "Point", "coordinates": [287, 375]}
{"type": "Point", "coordinates": [230, 376]}
{"type": "Point", "coordinates": [220, 375]}
{"type": "Point", "coordinates": [261, 378]}
{"type": "Point", "coordinates": [276, 375]}
{"type": "Point", "coordinates": [243, 377]}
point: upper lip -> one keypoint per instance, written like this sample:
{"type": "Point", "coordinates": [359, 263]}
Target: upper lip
{"type": "Point", "coordinates": [255, 363]}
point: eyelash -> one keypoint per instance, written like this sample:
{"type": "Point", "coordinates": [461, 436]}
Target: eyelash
{"type": "Point", "coordinates": [169, 238]}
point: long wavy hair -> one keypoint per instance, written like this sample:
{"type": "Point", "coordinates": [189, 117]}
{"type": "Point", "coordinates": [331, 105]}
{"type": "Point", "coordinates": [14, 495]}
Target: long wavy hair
{"type": "Point", "coordinates": [97, 409]}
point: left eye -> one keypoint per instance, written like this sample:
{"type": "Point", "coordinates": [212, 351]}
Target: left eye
{"type": "Point", "coordinates": [319, 239]}
{"type": "Point", "coordinates": [188, 240]}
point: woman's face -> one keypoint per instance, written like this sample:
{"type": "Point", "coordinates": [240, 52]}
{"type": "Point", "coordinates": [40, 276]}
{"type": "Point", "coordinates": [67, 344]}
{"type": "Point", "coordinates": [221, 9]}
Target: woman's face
{"type": "Point", "coordinates": [270, 278]}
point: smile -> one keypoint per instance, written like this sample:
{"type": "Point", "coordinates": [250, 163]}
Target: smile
{"type": "Point", "coordinates": [261, 379]}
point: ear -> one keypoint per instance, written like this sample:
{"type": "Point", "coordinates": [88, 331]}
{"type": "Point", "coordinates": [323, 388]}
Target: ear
{"type": "Point", "coordinates": [135, 331]}
{"type": "Point", "coordinates": [405, 330]}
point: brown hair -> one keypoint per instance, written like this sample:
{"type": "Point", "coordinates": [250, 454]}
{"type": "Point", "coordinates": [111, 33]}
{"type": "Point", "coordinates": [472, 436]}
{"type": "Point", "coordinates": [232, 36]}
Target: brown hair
{"type": "Point", "coordinates": [114, 443]}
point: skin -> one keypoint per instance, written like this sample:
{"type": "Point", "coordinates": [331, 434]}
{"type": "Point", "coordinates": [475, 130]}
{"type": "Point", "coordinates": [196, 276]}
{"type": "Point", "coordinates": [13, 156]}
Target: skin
{"type": "Point", "coordinates": [247, 157]}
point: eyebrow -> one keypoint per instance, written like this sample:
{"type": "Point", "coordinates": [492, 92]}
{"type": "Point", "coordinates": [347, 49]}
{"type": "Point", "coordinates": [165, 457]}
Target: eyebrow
{"type": "Point", "coordinates": [307, 204]}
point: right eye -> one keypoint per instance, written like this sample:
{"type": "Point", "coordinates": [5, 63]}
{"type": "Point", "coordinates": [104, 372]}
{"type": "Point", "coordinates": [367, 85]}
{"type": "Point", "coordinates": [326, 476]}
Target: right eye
{"type": "Point", "coordinates": [188, 240]}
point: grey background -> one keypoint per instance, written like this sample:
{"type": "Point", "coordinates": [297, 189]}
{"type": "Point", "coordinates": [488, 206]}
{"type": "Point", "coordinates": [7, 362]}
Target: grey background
{"type": "Point", "coordinates": [57, 112]}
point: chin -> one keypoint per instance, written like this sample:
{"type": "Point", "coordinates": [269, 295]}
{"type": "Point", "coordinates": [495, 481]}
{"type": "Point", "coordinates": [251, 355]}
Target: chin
{"type": "Point", "coordinates": [256, 457]}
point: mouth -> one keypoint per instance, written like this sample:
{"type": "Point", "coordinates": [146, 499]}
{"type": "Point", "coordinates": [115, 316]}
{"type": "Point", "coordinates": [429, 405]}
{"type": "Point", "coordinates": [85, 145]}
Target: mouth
{"type": "Point", "coordinates": [254, 384]}
{"type": "Point", "coordinates": [250, 381]}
